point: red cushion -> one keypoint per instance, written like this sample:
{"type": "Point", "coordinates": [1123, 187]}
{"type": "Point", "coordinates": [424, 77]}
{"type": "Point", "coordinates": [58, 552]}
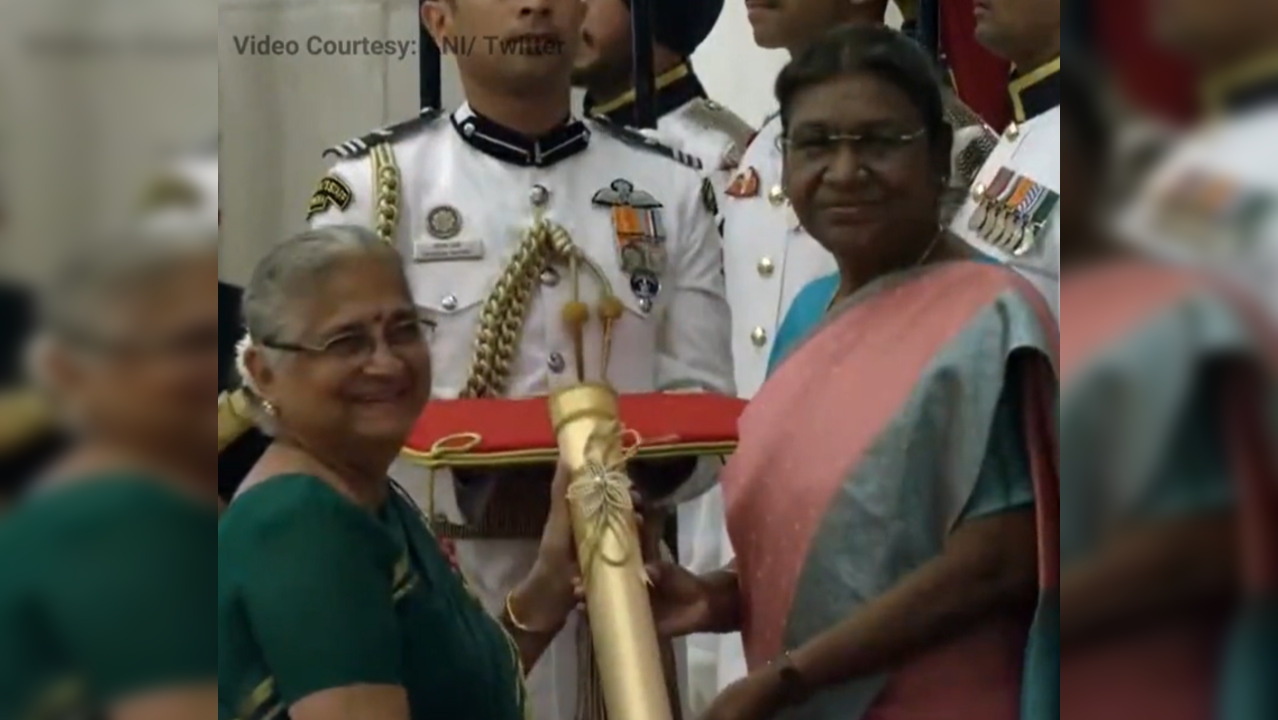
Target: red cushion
{"type": "Point", "coordinates": [483, 432]}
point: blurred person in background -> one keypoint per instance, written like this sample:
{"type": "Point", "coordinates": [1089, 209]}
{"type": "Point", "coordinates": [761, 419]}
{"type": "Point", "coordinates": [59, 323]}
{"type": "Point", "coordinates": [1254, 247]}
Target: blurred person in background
{"type": "Point", "coordinates": [1013, 208]}
{"type": "Point", "coordinates": [1213, 201]}
{"type": "Point", "coordinates": [335, 600]}
{"type": "Point", "coordinates": [106, 590]}
{"type": "Point", "coordinates": [688, 119]}
{"type": "Point", "coordinates": [29, 435]}
{"type": "Point", "coordinates": [1150, 467]}
{"type": "Point", "coordinates": [877, 576]}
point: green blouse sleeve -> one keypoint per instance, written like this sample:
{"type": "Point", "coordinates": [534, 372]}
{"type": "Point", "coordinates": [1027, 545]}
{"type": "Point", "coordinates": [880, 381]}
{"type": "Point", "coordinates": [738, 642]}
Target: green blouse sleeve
{"type": "Point", "coordinates": [133, 601]}
{"type": "Point", "coordinates": [314, 579]}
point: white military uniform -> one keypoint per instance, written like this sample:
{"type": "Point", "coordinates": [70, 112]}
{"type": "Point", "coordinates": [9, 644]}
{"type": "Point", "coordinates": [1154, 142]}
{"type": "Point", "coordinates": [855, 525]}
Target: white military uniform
{"type": "Point", "coordinates": [710, 132]}
{"type": "Point", "coordinates": [689, 122]}
{"type": "Point", "coordinates": [468, 193]}
{"type": "Point", "coordinates": [1013, 210]}
{"type": "Point", "coordinates": [1214, 200]}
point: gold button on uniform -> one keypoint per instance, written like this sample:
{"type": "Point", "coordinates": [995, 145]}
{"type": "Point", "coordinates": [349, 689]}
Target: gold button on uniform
{"type": "Point", "coordinates": [766, 267]}
{"type": "Point", "coordinates": [776, 195]}
{"type": "Point", "coordinates": [1013, 131]}
{"type": "Point", "coordinates": [978, 192]}
{"type": "Point", "coordinates": [759, 337]}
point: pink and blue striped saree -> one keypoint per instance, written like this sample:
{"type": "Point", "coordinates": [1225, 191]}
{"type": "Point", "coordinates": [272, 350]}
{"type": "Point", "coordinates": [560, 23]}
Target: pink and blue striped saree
{"type": "Point", "coordinates": [867, 447]}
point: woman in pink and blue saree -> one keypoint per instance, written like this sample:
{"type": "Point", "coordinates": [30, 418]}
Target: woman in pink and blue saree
{"type": "Point", "coordinates": [893, 500]}
{"type": "Point", "coordinates": [1161, 419]}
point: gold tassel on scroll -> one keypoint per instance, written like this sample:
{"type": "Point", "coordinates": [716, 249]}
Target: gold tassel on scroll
{"type": "Point", "coordinates": [627, 650]}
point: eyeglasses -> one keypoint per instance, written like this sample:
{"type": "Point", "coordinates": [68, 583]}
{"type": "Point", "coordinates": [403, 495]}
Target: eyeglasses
{"type": "Point", "coordinates": [872, 148]}
{"type": "Point", "coordinates": [197, 342]}
{"type": "Point", "coordinates": [359, 345]}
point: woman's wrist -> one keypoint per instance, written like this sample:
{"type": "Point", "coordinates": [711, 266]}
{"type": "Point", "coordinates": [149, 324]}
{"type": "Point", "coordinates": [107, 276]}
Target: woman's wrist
{"type": "Point", "coordinates": [541, 604]}
{"type": "Point", "coordinates": [723, 593]}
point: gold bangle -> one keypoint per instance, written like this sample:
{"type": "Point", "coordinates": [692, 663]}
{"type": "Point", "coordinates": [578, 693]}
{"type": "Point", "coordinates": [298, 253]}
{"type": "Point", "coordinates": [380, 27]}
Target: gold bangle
{"type": "Point", "coordinates": [515, 621]}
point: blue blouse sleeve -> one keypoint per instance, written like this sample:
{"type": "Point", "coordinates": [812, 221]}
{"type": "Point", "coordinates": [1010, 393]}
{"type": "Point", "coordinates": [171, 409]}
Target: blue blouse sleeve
{"type": "Point", "coordinates": [1196, 474]}
{"type": "Point", "coordinates": [805, 313]}
{"type": "Point", "coordinates": [1005, 483]}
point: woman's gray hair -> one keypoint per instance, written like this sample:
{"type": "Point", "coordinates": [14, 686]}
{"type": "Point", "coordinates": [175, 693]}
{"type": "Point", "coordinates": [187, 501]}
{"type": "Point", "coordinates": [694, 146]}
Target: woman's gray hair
{"type": "Point", "coordinates": [95, 279]}
{"type": "Point", "coordinates": [291, 272]}
{"type": "Point", "coordinates": [82, 298]}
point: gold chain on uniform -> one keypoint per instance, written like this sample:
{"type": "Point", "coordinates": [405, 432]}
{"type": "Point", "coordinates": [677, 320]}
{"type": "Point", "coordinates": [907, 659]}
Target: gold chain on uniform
{"type": "Point", "coordinates": [501, 320]}
{"type": "Point", "coordinates": [501, 324]}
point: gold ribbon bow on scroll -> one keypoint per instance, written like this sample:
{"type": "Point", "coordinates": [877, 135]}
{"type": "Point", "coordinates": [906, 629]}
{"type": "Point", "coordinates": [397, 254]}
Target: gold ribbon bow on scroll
{"type": "Point", "coordinates": [600, 491]}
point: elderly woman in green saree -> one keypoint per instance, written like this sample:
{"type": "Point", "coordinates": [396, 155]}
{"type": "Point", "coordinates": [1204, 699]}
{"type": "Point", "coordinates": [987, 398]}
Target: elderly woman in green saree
{"type": "Point", "coordinates": [107, 586]}
{"type": "Point", "coordinates": [335, 601]}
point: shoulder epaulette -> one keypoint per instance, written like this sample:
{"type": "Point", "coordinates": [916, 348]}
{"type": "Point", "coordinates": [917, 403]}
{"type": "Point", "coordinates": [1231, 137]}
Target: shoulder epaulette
{"type": "Point", "coordinates": [959, 115]}
{"type": "Point", "coordinates": [637, 139]}
{"type": "Point", "coordinates": [717, 118]}
{"type": "Point", "coordinates": [362, 145]}
{"type": "Point", "coordinates": [713, 116]}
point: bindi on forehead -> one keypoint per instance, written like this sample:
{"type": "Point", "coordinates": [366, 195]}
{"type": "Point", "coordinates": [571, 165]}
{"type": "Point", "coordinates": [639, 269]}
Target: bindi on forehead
{"type": "Point", "coordinates": [354, 318]}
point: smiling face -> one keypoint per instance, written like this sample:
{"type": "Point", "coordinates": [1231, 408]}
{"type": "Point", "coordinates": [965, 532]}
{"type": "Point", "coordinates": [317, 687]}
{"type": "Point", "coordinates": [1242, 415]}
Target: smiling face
{"type": "Point", "coordinates": [357, 365]}
{"type": "Point", "coordinates": [525, 45]}
{"type": "Point", "coordinates": [860, 169]}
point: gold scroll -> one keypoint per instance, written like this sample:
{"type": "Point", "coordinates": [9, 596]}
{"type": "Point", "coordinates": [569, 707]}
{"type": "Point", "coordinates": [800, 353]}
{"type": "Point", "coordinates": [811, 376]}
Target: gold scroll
{"type": "Point", "coordinates": [627, 650]}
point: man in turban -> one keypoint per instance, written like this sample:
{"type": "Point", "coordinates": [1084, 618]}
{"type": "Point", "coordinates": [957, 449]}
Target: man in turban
{"type": "Point", "coordinates": [688, 119]}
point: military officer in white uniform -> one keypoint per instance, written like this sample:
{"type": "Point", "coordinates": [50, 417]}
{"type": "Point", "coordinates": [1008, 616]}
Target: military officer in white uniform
{"type": "Point", "coordinates": [508, 210]}
{"type": "Point", "coordinates": [687, 119]}
{"type": "Point", "coordinates": [1013, 209]}
{"type": "Point", "coordinates": [1214, 200]}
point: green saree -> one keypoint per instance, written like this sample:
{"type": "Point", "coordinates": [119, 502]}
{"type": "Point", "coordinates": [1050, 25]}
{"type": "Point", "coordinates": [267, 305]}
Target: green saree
{"type": "Point", "coordinates": [105, 595]}
{"type": "Point", "coordinates": [315, 593]}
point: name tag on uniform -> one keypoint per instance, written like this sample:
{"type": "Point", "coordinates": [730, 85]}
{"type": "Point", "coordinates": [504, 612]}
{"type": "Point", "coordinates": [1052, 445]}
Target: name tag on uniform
{"type": "Point", "coordinates": [431, 250]}
{"type": "Point", "coordinates": [444, 226]}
